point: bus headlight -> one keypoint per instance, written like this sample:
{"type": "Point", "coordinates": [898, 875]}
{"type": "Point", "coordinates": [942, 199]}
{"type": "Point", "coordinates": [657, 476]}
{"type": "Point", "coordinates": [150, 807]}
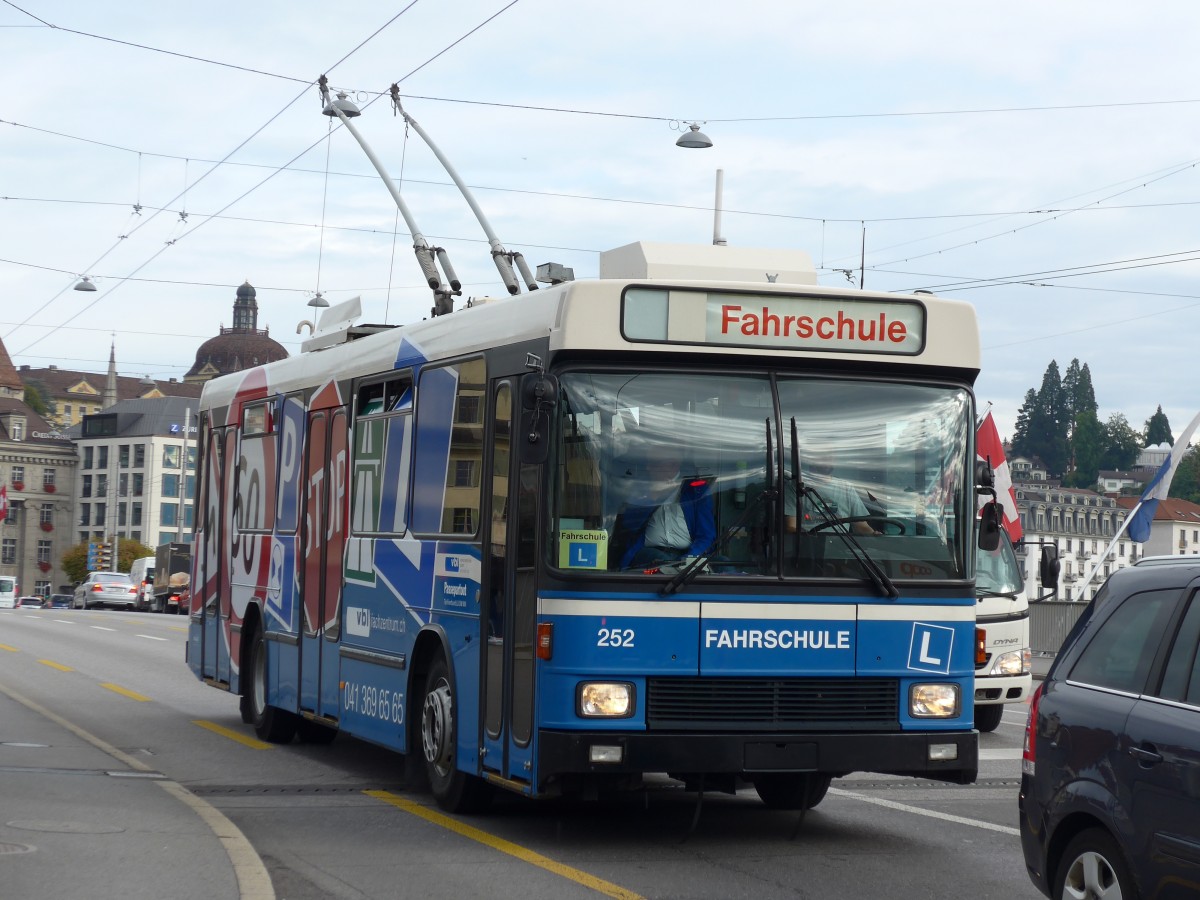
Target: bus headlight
{"type": "Point", "coordinates": [1015, 662]}
{"type": "Point", "coordinates": [933, 701]}
{"type": "Point", "coordinates": [605, 699]}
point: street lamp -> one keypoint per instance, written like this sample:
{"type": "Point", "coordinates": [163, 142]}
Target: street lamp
{"type": "Point", "coordinates": [694, 138]}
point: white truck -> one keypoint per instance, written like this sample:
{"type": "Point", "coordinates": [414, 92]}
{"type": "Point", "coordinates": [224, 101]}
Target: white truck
{"type": "Point", "coordinates": [1002, 653]}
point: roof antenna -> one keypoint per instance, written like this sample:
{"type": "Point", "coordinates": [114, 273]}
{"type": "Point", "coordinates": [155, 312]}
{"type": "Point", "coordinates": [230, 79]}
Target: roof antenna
{"type": "Point", "coordinates": [443, 297]}
{"type": "Point", "coordinates": [503, 258]}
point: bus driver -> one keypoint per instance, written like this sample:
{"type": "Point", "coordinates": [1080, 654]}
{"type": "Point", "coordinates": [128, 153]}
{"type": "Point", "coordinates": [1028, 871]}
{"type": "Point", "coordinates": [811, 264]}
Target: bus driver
{"type": "Point", "coordinates": [671, 518]}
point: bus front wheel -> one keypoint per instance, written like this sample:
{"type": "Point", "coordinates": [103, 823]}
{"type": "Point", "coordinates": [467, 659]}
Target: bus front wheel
{"type": "Point", "coordinates": [454, 791]}
{"type": "Point", "coordinates": [783, 790]}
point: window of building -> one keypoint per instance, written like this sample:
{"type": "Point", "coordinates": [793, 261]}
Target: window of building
{"type": "Point", "coordinates": [48, 476]}
{"type": "Point", "coordinates": [67, 411]}
{"type": "Point", "coordinates": [41, 588]}
{"type": "Point", "coordinates": [8, 551]}
{"type": "Point", "coordinates": [139, 456]}
{"type": "Point", "coordinates": [123, 484]}
{"type": "Point", "coordinates": [123, 456]}
{"type": "Point", "coordinates": [85, 513]}
{"type": "Point", "coordinates": [86, 489]}
{"type": "Point", "coordinates": [170, 457]}
{"type": "Point", "coordinates": [1068, 547]}
{"type": "Point", "coordinates": [168, 514]}
{"type": "Point", "coordinates": [135, 514]}
{"type": "Point", "coordinates": [464, 473]}
{"type": "Point", "coordinates": [16, 429]}
{"type": "Point", "coordinates": [87, 457]}
{"type": "Point", "coordinates": [44, 549]}
{"type": "Point", "coordinates": [191, 457]}
{"type": "Point", "coordinates": [464, 520]}
{"type": "Point", "coordinates": [17, 473]}
{"type": "Point", "coordinates": [46, 514]}
{"type": "Point", "coordinates": [101, 485]}
{"type": "Point", "coordinates": [101, 514]}
{"type": "Point", "coordinates": [170, 485]}
{"type": "Point", "coordinates": [138, 483]}
{"type": "Point", "coordinates": [102, 457]}
{"type": "Point", "coordinates": [122, 511]}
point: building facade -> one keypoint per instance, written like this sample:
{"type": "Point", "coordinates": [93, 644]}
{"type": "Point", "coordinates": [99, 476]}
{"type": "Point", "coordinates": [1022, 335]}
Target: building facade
{"type": "Point", "coordinates": [136, 477]}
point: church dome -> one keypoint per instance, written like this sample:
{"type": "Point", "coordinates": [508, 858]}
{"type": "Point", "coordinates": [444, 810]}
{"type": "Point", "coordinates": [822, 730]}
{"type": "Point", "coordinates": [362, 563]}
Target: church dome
{"type": "Point", "coordinates": [243, 346]}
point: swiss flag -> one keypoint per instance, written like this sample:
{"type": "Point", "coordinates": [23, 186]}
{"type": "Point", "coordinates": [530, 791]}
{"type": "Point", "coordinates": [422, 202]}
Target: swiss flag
{"type": "Point", "coordinates": [989, 448]}
{"type": "Point", "coordinates": [3, 502]}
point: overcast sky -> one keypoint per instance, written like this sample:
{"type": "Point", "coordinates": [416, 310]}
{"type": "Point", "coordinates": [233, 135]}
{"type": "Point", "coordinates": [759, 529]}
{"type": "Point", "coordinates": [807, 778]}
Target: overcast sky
{"type": "Point", "coordinates": [1036, 159]}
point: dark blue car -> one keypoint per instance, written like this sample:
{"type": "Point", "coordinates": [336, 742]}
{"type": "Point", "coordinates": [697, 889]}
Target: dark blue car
{"type": "Point", "coordinates": [1110, 790]}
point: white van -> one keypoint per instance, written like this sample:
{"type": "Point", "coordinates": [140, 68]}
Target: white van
{"type": "Point", "coordinates": [8, 592]}
{"type": "Point", "coordinates": [141, 573]}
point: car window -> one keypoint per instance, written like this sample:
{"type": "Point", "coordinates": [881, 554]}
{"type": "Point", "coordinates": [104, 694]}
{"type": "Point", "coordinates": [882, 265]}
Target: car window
{"type": "Point", "coordinates": [1119, 655]}
{"type": "Point", "coordinates": [1181, 675]}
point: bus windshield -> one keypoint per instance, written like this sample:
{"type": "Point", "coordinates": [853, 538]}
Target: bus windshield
{"type": "Point", "coordinates": [656, 469]}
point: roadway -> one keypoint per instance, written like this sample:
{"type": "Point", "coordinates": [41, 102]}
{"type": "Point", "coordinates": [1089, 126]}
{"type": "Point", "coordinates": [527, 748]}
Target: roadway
{"type": "Point", "coordinates": [122, 774]}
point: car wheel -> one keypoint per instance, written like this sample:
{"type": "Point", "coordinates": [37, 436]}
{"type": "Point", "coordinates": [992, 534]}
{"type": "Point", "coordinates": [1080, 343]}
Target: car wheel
{"type": "Point", "coordinates": [786, 790]}
{"type": "Point", "coordinates": [1094, 868]}
{"type": "Point", "coordinates": [987, 718]}
{"type": "Point", "coordinates": [453, 790]}
{"type": "Point", "coordinates": [271, 723]}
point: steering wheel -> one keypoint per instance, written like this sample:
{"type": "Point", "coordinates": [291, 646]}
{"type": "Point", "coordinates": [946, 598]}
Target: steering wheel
{"type": "Point", "coordinates": [877, 522]}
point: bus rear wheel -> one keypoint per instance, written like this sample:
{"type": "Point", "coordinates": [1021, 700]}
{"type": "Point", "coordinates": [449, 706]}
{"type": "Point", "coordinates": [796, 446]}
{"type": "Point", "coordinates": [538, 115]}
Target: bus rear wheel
{"type": "Point", "coordinates": [453, 790]}
{"type": "Point", "coordinates": [786, 790]}
{"type": "Point", "coordinates": [278, 726]}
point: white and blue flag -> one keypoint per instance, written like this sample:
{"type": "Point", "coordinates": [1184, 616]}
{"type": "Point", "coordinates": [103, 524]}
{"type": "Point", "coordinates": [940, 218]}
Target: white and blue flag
{"type": "Point", "coordinates": [1139, 524]}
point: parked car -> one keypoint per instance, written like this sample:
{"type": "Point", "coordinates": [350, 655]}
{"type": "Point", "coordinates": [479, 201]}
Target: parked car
{"type": "Point", "coordinates": [105, 589]}
{"type": "Point", "coordinates": [1110, 784]}
{"type": "Point", "coordinates": [59, 601]}
{"type": "Point", "coordinates": [30, 601]}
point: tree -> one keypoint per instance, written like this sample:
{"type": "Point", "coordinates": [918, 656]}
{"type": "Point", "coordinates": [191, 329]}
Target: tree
{"type": "Point", "coordinates": [37, 397]}
{"type": "Point", "coordinates": [1186, 483]}
{"type": "Point", "coordinates": [74, 563]}
{"type": "Point", "coordinates": [1048, 424]}
{"type": "Point", "coordinates": [1158, 429]}
{"type": "Point", "coordinates": [1020, 441]}
{"type": "Point", "coordinates": [1088, 448]}
{"type": "Point", "coordinates": [1121, 444]}
{"type": "Point", "coordinates": [129, 551]}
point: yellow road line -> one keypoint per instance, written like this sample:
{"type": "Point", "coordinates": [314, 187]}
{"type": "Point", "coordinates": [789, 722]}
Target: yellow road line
{"type": "Point", "coordinates": [52, 664]}
{"type": "Point", "coordinates": [252, 743]}
{"type": "Point", "coordinates": [607, 888]}
{"type": "Point", "coordinates": [9, 649]}
{"type": "Point", "coordinates": [125, 692]}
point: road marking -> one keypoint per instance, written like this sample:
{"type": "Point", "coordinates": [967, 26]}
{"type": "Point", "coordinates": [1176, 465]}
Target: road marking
{"type": "Point", "coordinates": [102, 628]}
{"type": "Point", "coordinates": [52, 664]}
{"type": "Point", "coordinates": [607, 888]}
{"type": "Point", "coordinates": [252, 743]}
{"type": "Point", "coordinates": [9, 649]}
{"type": "Point", "coordinates": [151, 637]}
{"type": "Point", "coordinates": [254, 883]}
{"type": "Point", "coordinates": [1005, 753]}
{"type": "Point", "coordinates": [64, 621]}
{"type": "Point", "coordinates": [177, 628]}
{"type": "Point", "coordinates": [125, 692]}
{"type": "Point", "coordinates": [916, 810]}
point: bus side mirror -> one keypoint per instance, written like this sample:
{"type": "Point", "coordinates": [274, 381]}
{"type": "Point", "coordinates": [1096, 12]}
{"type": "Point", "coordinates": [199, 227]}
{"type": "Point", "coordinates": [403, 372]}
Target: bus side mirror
{"type": "Point", "coordinates": [539, 393]}
{"type": "Point", "coordinates": [1048, 567]}
{"type": "Point", "coordinates": [990, 526]}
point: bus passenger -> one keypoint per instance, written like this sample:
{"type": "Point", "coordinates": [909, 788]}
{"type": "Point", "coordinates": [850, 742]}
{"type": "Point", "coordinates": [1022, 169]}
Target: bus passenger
{"type": "Point", "coordinates": [840, 496]}
{"type": "Point", "coordinates": [671, 518]}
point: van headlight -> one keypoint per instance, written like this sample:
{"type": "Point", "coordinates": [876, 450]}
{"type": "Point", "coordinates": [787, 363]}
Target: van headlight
{"type": "Point", "coordinates": [1014, 662]}
{"type": "Point", "coordinates": [934, 701]}
{"type": "Point", "coordinates": [605, 699]}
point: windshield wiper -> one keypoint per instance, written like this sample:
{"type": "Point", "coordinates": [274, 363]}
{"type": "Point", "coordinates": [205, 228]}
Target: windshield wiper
{"type": "Point", "coordinates": [693, 568]}
{"type": "Point", "coordinates": [874, 573]}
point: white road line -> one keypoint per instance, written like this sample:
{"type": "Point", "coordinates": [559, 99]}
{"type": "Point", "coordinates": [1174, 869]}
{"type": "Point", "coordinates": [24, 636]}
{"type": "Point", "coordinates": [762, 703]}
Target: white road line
{"type": "Point", "coordinates": [101, 628]}
{"type": "Point", "coordinates": [151, 637]}
{"type": "Point", "coordinates": [916, 810]}
{"type": "Point", "coordinates": [65, 621]}
{"type": "Point", "coordinates": [1006, 753]}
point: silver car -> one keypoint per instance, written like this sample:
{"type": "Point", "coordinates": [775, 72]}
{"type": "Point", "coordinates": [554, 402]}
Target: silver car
{"type": "Point", "coordinates": [105, 589]}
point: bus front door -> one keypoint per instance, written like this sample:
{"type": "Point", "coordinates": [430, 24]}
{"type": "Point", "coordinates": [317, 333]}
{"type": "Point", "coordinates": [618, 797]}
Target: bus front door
{"type": "Point", "coordinates": [324, 539]}
{"type": "Point", "coordinates": [510, 614]}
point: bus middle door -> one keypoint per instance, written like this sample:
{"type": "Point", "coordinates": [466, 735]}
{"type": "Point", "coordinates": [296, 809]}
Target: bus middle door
{"type": "Point", "coordinates": [324, 540]}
